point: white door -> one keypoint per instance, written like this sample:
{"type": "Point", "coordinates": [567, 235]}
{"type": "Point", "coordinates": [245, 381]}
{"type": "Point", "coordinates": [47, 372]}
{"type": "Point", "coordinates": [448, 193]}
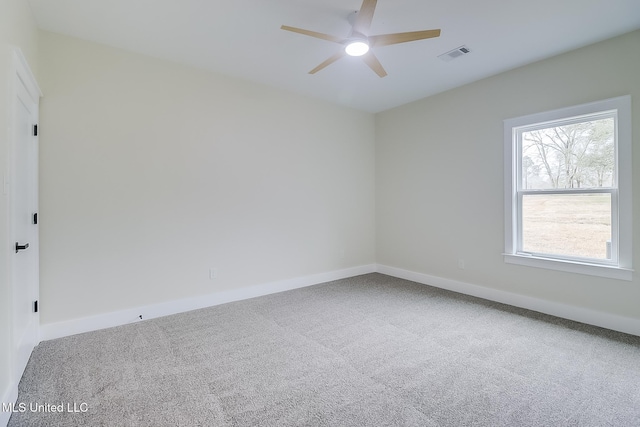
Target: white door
{"type": "Point", "coordinates": [24, 201]}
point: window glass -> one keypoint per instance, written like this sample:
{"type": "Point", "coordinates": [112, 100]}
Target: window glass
{"type": "Point", "coordinates": [575, 155]}
{"type": "Point", "coordinates": [573, 225]}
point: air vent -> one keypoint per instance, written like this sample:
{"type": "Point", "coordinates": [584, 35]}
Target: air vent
{"type": "Point", "coordinates": [455, 53]}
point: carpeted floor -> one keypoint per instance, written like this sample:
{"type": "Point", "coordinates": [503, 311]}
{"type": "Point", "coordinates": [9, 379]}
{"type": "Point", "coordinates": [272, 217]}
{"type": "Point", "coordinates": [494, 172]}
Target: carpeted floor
{"type": "Point", "coordinates": [367, 351]}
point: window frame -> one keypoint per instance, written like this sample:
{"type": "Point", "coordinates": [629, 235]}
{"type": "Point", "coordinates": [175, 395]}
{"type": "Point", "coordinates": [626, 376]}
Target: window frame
{"type": "Point", "coordinates": [620, 265]}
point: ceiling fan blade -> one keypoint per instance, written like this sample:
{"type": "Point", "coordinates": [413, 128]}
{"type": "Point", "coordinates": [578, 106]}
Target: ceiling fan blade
{"type": "Point", "coordinates": [328, 62]}
{"type": "Point", "coordinates": [364, 17]}
{"type": "Point", "coordinates": [370, 59]}
{"type": "Point", "coordinates": [313, 34]}
{"type": "Point", "coordinates": [387, 39]}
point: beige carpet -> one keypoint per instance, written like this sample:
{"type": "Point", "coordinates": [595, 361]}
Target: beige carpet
{"type": "Point", "coordinates": [367, 351]}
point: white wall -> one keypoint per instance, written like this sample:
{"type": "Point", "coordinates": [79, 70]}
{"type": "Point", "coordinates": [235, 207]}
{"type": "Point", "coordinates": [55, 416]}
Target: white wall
{"type": "Point", "coordinates": [152, 173]}
{"type": "Point", "coordinates": [439, 175]}
{"type": "Point", "coordinates": [17, 29]}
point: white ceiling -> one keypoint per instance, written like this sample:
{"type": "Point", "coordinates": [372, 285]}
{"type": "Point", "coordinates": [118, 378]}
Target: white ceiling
{"type": "Point", "coordinates": [243, 38]}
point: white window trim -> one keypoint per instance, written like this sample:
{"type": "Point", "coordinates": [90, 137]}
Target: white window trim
{"type": "Point", "coordinates": [623, 270]}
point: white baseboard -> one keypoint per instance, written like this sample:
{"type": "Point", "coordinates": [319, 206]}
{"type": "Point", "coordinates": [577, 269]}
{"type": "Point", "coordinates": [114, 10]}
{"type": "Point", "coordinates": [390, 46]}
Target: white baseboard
{"type": "Point", "coordinates": [49, 331]}
{"type": "Point", "coordinates": [584, 315]}
{"type": "Point", "coordinates": [9, 395]}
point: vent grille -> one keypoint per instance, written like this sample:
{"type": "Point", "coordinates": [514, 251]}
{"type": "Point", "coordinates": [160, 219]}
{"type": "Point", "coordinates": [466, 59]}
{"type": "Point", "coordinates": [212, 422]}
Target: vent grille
{"type": "Point", "coordinates": [455, 53]}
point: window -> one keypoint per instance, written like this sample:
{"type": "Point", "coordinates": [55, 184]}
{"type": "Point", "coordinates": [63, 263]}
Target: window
{"type": "Point", "coordinates": [568, 189]}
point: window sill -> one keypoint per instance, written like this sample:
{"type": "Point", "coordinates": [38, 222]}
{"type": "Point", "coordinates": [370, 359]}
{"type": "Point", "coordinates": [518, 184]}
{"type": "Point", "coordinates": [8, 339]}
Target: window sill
{"type": "Point", "coordinates": [607, 271]}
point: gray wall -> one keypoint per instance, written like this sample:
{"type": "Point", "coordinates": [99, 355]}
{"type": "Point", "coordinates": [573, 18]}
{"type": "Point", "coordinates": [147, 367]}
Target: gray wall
{"type": "Point", "coordinates": [439, 175]}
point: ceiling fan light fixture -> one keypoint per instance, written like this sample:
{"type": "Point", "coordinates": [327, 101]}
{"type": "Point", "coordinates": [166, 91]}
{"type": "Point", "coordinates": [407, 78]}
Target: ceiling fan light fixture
{"type": "Point", "coordinates": [360, 40]}
{"type": "Point", "coordinates": [356, 47]}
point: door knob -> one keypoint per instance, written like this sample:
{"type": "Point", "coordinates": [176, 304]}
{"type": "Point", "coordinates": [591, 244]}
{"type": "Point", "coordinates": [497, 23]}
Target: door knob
{"type": "Point", "coordinates": [20, 247]}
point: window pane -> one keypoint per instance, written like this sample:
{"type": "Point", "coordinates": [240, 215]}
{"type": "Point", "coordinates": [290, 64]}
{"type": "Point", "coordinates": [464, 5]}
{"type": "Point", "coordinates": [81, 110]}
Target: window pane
{"type": "Point", "coordinates": [576, 225]}
{"type": "Point", "coordinates": [577, 155]}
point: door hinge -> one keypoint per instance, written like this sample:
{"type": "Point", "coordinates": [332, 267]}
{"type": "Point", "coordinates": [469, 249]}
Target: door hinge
{"type": "Point", "coordinates": [35, 218]}
{"type": "Point", "coordinates": [35, 306]}
{"type": "Point", "coordinates": [35, 130]}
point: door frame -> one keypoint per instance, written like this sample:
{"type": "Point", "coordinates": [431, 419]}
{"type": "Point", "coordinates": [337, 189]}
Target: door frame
{"type": "Point", "coordinates": [21, 75]}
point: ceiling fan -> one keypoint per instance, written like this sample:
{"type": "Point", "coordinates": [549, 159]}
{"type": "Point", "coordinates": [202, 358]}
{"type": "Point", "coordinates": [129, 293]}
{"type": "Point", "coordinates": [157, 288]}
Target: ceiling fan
{"type": "Point", "coordinates": [359, 43]}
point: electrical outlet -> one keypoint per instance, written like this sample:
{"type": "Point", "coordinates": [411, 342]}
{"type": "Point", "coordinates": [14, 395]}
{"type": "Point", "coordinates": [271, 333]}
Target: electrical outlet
{"type": "Point", "coordinates": [213, 273]}
{"type": "Point", "coordinates": [461, 264]}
